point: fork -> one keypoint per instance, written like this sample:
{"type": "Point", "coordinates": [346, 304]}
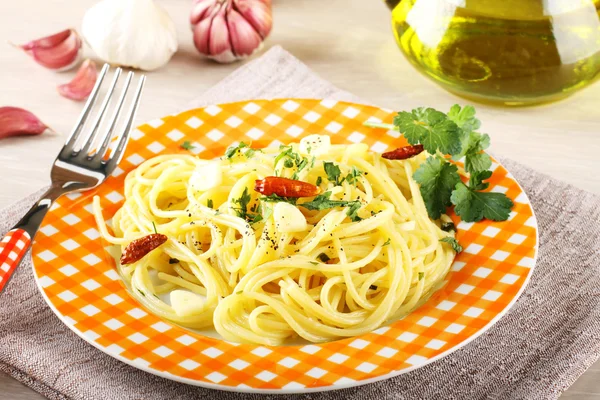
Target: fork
{"type": "Point", "coordinates": [75, 169]}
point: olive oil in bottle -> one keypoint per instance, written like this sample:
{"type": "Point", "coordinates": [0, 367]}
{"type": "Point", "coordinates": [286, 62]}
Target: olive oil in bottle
{"type": "Point", "coordinates": [512, 52]}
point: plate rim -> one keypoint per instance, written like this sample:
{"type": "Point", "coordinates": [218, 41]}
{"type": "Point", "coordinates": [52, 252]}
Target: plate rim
{"type": "Point", "coordinates": [345, 385]}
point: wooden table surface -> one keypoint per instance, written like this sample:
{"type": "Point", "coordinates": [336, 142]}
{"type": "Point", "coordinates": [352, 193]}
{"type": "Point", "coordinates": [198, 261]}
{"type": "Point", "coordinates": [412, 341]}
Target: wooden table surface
{"type": "Point", "coordinates": [348, 42]}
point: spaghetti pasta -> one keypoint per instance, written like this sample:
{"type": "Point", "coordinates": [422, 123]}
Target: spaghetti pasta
{"type": "Point", "coordinates": [361, 253]}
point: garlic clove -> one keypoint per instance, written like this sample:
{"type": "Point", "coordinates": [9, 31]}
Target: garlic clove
{"type": "Point", "coordinates": [16, 121]}
{"type": "Point", "coordinates": [258, 14]}
{"type": "Point", "coordinates": [82, 84]}
{"type": "Point", "coordinates": [202, 9]}
{"type": "Point", "coordinates": [133, 33]}
{"type": "Point", "coordinates": [244, 39]}
{"type": "Point", "coordinates": [219, 44]}
{"type": "Point", "coordinates": [60, 51]}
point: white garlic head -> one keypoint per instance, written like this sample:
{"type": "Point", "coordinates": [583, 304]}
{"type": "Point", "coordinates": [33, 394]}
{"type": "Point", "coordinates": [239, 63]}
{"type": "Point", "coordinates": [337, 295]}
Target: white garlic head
{"type": "Point", "coordinates": [132, 33]}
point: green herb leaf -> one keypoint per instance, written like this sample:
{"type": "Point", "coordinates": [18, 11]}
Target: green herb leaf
{"type": "Point", "coordinates": [448, 227]}
{"type": "Point", "coordinates": [437, 178]}
{"type": "Point", "coordinates": [322, 202]}
{"type": "Point", "coordinates": [319, 181]}
{"type": "Point", "coordinates": [431, 128]}
{"type": "Point", "coordinates": [323, 257]}
{"type": "Point", "coordinates": [352, 177]}
{"type": "Point", "coordinates": [314, 262]}
{"type": "Point", "coordinates": [142, 293]}
{"type": "Point", "coordinates": [209, 203]}
{"type": "Point", "coordinates": [233, 150]}
{"type": "Point", "coordinates": [352, 211]}
{"type": "Point", "coordinates": [464, 118]}
{"type": "Point", "coordinates": [154, 226]}
{"type": "Point", "coordinates": [187, 145]}
{"type": "Point", "coordinates": [421, 275]}
{"type": "Point", "coordinates": [452, 242]}
{"type": "Point", "coordinates": [472, 205]}
{"type": "Point", "coordinates": [243, 202]}
{"type": "Point", "coordinates": [333, 172]}
{"type": "Point", "coordinates": [273, 198]}
{"type": "Point", "coordinates": [388, 241]}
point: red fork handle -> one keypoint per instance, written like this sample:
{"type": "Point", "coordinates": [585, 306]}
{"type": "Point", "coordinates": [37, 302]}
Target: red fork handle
{"type": "Point", "coordinates": [13, 247]}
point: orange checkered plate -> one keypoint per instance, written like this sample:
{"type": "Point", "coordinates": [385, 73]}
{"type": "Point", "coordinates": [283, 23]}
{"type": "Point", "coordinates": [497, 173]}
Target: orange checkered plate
{"type": "Point", "coordinates": [80, 283]}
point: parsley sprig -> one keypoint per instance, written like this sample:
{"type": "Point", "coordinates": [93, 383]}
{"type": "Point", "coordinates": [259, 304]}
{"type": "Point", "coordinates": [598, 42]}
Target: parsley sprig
{"type": "Point", "coordinates": [454, 134]}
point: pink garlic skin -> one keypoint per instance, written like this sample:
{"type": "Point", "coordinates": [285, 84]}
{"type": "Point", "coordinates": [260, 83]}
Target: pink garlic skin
{"type": "Point", "coordinates": [60, 51]}
{"type": "Point", "coordinates": [82, 84]}
{"type": "Point", "coordinates": [229, 30]}
{"type": "Point", "coordinates": [16, 121]}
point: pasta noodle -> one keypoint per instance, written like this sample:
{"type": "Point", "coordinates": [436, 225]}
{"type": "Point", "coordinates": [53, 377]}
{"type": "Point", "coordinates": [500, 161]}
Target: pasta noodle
{"type": "Point", "coordinates": [230, 265]}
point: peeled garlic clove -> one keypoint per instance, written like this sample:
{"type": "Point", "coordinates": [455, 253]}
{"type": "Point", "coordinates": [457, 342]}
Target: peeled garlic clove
{"type": "Point", "coordinates": [229, 30]}
{"type": "Point", "coordinates": [82, 84]}
{"type": "Point", "coordinates": [60, 51]}
{"type": "Point", "coordinates": [16, 121]}
{"type": "Point", "coordinates": [132, 33]}
{"type": "Point", "coordinates": [206, 176]}
{"type": "Point", "coordinates": [186, 303]}
{"type": "Point", "coordinates": [288, 218]}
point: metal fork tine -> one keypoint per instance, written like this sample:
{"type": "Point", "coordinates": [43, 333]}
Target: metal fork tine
{"type": "Point", "coordinates": [72, 139]}
{"type": "Point", "coordinates": [118, 151]}
{"type": "Point", "coordinates": [92, 133]}
{"type": "Point", "coordinates": [104, 146]}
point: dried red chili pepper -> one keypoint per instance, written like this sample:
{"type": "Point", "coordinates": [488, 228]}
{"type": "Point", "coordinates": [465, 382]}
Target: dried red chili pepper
{"type": "Point", "coordinates": [285, 187]}
{"type": "Point", "coordinates": [403, 153]}
{"type": "Point", "coordinates": [137, 249]}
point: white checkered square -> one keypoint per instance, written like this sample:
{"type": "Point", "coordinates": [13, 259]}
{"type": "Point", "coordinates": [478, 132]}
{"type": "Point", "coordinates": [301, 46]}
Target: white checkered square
{"type": "Point", "coordinates": [366, 367]}
{"type": "Point", "coordinates": [290, 106]}
{"type": "Point", "coordinates": [212, 352]}
{"type": "Point", "coordinates": [68, 270]}
{"type": "Point", "coordinates": [356, 137]}
{"type": "Point", "coordinates": [407, 337]}
{"type": "Point", "coordinates": [212, 110]}
{"type": "Point", "coordinates": [239, 364]}
{"type": "Point", "coordinates": [333, 127]}
{"type": "Point", "coordinates": [251, 108]}
{"type": "Point", "coordinates": [500, 255]}
{"type": "Point", "coordinates": [47, 255]}
{"type": "Point", "coordinates": [233, 121]}
{"type": "Point", "coordinates": [135, 159]}
{"type": "Point", "coordinates": [288, 362]}
{"type": "Point", "coordinates": [155, 147]}
{"type": "Point", "coordinates": [509, 279]}
{"type": "Point", "coordinates": [272, 119]}
{"type": "Point", "coordinates": [473, 312]}
{"type": "Point", "coordinates": [294, 131]}
{"type": "Point", "coordinates": [113, 324]}
{"type": "Point", "coordinates": [114, 196]}
{"type": "Point", "coordinates": [48, 230]}
{"type": "Point", "coordinates": [445, 305]}
{"type": "Point", "coordinates": [427, 321]}
{"type": "Point", "coordinates": [387, 352]}
{"type": "Point", "coordinates": [175, 135]}
{"type": "Point", "coordinates": [435, 344]}
{"type": "Point", "coordinates": [70, 244]}
{"type": "Point", "coordinates": [215, 377]}
{"type": "Point", "coordinates": [415, 360]}
{"type": "Point", "coordinates": [265, 376]}
{"type": "Point", "coordinates": [491, 295]}
{"type": "Point", "coordinates": [113, 299]}
{"type": "Point", "coordinates": [194, 122]}
{"type": "Point", "coordinates": [338, 358]}
{"type": "Point", "coordinates": [482, 272]}
{"type": "Point", "coordinates": [215, 135]}
{"type": "Point", "coordinates": [490, 231]}
{"type": "Point", "coordinates": [454, 328]}
{"type": "Point", "coordinates": [255, 133]}
{"type": "Point", "coordinates": [379, 147]}
{"type": "Point", "coordinates": [186, 340]}
{"type": "Point", "coordinates": [163, 351]}
{"type": "Point", "coordinates": [311, 116]}
{"type": "Point", "coordinates": [350, 112]}
{"type": "Point", "coordinates": [517, 238]}
{"type": "Point", "coordinates": [464, 289]}
{"type": "Point", "coordinates": [316, 373]}
{"type": "Point", "coordinates": [189, 365]}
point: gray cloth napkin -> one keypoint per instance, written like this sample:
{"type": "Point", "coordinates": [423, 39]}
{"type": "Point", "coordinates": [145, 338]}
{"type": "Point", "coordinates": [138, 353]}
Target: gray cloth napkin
{"type": "Point", "coordinates": [546, 341]}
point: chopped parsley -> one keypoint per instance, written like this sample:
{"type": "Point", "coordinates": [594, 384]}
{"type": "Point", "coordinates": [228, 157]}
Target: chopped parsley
{"type": "Point", "coordinates": [388, 241]}
{"type": "Point", "coordinates": [323, 202]}
{"type": "Point", "coordinates": [352, 212]}
{"type": "Point", "coordinates": [291, 159]}
{"type": "Point", "coordinates": [209, 203]}
{"type": "Point", "coordinates": [319, 181]}
{"type": "Point", "coordinates": [421, 275]}
{"type": "Point", "coordinates": [235, 150]}
{"type": "Point", "coordinates": [333, 173]}
{"type": "Point", "coordinates": [187, 145]}
{"type": "Point", "coordinates": [242, 210]}
{"type": "Point", "coordinates": [154, 226]}
{"type": "Point", "coordinates": [452, 242]}
{"type": "Point", "coordinates": [314, 262]}
{"type": "Point", "coordinates": [273, 198]}
{"type": "Point", "coordinates": [352, 177]}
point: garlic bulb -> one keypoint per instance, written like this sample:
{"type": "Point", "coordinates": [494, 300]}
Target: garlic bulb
{"type": "Point", "coordinates": [131, 33]}
{"type": "Point", "coordinates": [228, 30]}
